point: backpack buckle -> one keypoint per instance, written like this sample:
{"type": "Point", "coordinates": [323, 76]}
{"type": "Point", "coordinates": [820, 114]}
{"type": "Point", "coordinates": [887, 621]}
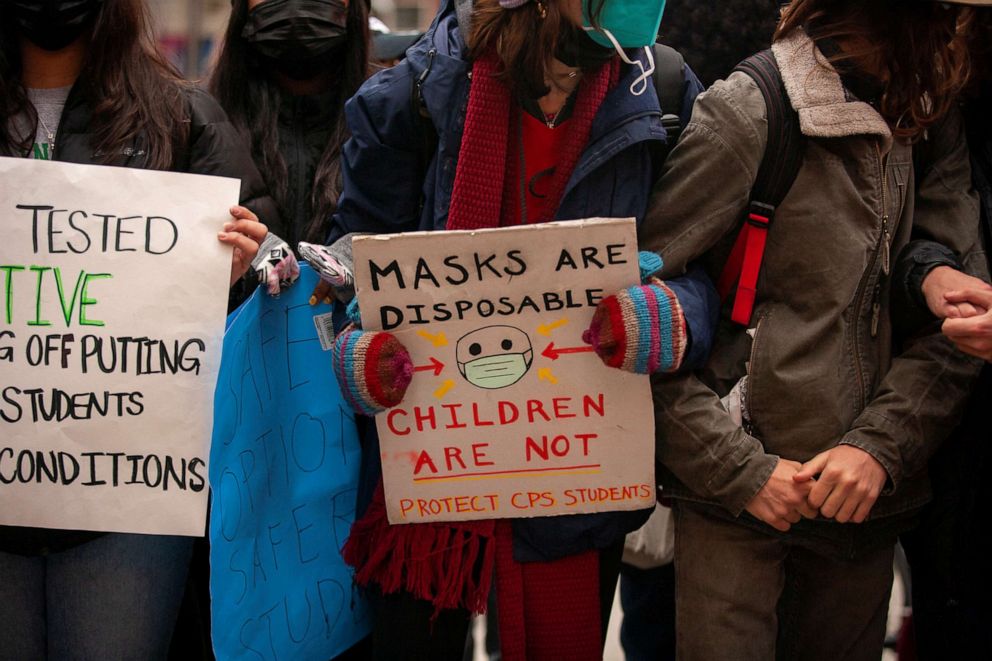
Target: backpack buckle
{"type": "Point", "coordinates": [760, 215]}
{"type": "Point", "coordinates": [672, 124]}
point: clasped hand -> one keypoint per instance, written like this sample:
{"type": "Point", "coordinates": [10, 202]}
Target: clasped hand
{"type": "Point", "coordinates": [964, 303]}
{"type": "Point", "coordinates": [842, 484]}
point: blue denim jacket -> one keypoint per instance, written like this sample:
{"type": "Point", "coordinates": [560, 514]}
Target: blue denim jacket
{"type": "Point", "coordinates": [390, 187]}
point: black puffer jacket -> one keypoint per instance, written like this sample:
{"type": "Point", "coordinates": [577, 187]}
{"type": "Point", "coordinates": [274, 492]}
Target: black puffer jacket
{"type": "Point", "coordinates": [214, 148]}
{"type": "Point", "coordinates": [306, 125]}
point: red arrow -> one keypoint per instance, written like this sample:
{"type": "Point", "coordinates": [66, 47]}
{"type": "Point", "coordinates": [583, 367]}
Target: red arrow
{"type": "Point", "coordinates": [553, 353]}
{"type": "Point", "coordinates": [436, 366]}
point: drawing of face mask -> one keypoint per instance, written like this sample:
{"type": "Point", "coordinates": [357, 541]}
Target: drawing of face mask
{"type": "Point", "coordinates": [494, 357]}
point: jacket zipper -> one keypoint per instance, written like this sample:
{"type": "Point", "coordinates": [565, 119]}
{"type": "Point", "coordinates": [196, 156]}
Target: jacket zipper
{"type": "Point", "coordinates": [885, 238]}
{"type": "Point", "coordinates": [876, 307]}
{"type": "Point", "coordinates": [876, 311]}
{"type": "Point", "coordinates": [881, 251]}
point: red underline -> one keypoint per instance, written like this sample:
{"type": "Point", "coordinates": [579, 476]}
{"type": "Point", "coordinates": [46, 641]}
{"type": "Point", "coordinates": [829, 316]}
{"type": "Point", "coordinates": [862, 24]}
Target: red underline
{"type": "Point", "coordinates": [522, 470]}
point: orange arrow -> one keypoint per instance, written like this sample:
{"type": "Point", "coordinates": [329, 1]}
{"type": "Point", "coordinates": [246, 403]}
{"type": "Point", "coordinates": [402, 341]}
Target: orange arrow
{"type": "Point", "coordinates": [444, 389]}
{"type": "Point", "coordinates": [436, 366]}
{"type": "Point", "coordinates": [546, 329]}
{"type": "Point", "coordinates": [439, 340]}
{"type": "Point", "coordinates": [554, 353]}
{"type": "Point", "coordinates": [544, 374]}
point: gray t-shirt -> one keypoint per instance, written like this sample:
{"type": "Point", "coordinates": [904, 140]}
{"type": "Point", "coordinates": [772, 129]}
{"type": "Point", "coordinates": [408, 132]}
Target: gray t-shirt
{"type": "Point", "coordinates": [48, 103]}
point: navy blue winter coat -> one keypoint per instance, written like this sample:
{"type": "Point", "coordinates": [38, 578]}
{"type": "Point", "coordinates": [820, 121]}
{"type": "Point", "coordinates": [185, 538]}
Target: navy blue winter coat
{"type": "Point", "coordinates": [389, 186]}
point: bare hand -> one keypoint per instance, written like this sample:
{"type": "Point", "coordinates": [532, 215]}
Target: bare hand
{"type": "Point", "coordinates": [244, 233]}
{"type": "Point", "coordinates": [846, 482]}
{"type": "Point", "coordinates": [322, 293]}
{"type": "Point", "coordinates": [943, 280]}
{"type": "Point", "coordinates": [782, 501]}
{"type": "Point", "coordinates": [973, 335]}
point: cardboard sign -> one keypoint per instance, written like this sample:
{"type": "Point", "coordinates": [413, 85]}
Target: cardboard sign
{"type": "Point", "coordinates": [113, 293]}
{"type": "Point", "coordinates": [284, 473]}
{"type": "Point", "coordinates": [510, 414]}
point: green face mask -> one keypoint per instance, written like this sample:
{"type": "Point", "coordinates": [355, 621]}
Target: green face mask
{"type": "Point", "coordinates": [496, 372]}
{"type": "Point", "coordinates": [628, 24]}
{"type": "Point", "coordinates": [494, 357]}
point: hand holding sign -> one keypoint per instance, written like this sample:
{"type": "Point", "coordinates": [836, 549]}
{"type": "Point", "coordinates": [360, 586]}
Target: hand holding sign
{"type": "Point", "coordinates": [335, 266]}
{"type": "Point", "coordinates": [244, 233]}
{"type": "Point", "coordinates": [641, 329]}
{"type": "Point", "coordinates": [373, 369]}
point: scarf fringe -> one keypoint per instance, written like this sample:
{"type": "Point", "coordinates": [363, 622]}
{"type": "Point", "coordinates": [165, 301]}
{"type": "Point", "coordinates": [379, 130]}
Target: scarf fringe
{"type": "Point", "coordinates": [450, 566]}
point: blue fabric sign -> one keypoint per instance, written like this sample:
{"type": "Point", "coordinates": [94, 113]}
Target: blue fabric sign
{"type": "Point", "coordinates": [284, 472]}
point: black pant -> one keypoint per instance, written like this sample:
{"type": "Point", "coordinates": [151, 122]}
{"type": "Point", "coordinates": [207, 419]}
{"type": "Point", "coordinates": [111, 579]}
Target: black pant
{"type": "Point", "coordinates": [610, 560]}
{"type": "Point", "coordinates": [403, 631]}
{"type": "Point", "coordinates": [648, 598]}
{"type": "Point", "coordinates": [950, 552]}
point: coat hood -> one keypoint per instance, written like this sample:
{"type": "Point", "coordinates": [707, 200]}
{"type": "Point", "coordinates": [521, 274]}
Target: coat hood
{"type": "Point", "coordinates": [818, 95]}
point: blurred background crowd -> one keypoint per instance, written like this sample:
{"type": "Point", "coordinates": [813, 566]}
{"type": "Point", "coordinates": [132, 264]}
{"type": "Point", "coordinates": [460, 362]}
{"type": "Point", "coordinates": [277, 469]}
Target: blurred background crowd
{"type": "Point", "coordinates": [190, 29]}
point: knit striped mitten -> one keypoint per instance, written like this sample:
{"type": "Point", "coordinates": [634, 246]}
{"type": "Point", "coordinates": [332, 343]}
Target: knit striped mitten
{"type": "Point", "coordinates": [641, 329]}
{"type": "Point", "coordinates": [373, 369]}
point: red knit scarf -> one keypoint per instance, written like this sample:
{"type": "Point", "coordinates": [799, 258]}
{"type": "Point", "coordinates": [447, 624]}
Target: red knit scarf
{"type": "Point", "coordinates": [546, 610]}
{"type": "Point", "coordinates": [488, 174]}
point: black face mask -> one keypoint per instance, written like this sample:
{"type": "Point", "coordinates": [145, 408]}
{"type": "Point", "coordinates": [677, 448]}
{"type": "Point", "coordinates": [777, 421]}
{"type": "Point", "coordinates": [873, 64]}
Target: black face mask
{"type": "Point", "coordinates": [577, 49]}
{"type": "Point", "coordinates": [51, 24]}
{"type": "Point", "coordinates": [298, 37]}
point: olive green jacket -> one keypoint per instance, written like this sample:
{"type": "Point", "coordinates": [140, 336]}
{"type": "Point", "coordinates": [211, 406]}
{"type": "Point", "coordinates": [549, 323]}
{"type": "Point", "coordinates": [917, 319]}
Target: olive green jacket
{"type": "Point", "coordinates": [822, 368]}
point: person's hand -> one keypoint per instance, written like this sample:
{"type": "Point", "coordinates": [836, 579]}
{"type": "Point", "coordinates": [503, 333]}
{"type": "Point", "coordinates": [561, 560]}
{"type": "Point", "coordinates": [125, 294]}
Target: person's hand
{"type": "Point", "coordinates": [244, 233]}
{"type": "Point", "coordinates": [373, 368]}
{"type": "Point", "coordinates": [943, 280]}
{"type": "Point", "coordinates": [322, 293]}
{"type": "Point", "coordinates": [973, 335]}
{"type": "Point", "coordinates": [275, 265]}
{"type": "Point", "coordinates": [335, 266]}
{"type": "Point", "coordinates": [846, 481]}
{"type": "Point", "coordinates": [783, 500]}
{"type": "Point", "coordinates": [641, 329]}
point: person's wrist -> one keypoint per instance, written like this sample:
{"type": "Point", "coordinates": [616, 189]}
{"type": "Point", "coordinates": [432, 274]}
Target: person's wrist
{"type": "Point", "coordinates": [933, 285]}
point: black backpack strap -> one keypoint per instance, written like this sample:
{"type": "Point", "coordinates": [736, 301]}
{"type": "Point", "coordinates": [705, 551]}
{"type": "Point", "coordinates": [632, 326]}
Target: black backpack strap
{"type": "Point", "coordinates": [776, 175]}
{"type": "Point", "coordinates": [784, 150]}
{"type": "Point", "coordinates": [669, 82]}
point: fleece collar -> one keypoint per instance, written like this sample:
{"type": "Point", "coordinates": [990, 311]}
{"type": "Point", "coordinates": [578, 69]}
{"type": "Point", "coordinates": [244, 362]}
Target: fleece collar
{"type": "Point", "coordinates": [817, 94]}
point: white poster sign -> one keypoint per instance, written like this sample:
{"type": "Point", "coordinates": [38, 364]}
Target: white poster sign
{"type": "Point", "coordinates": [510, 414]}
{"type": "Point", "coordinates": [113, 295]}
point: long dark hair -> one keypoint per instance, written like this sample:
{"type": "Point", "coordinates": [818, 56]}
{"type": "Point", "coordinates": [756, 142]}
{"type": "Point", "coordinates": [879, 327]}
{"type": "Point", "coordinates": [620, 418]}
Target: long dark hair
{"type": "Point", "coordinates": [252, 100]}
{"type": "Point", "coordinates": [134, 93]}
{"type": "Point", "coordinates": [525, 40]}
{"type": "Point", "coordinates": [917, 46]}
